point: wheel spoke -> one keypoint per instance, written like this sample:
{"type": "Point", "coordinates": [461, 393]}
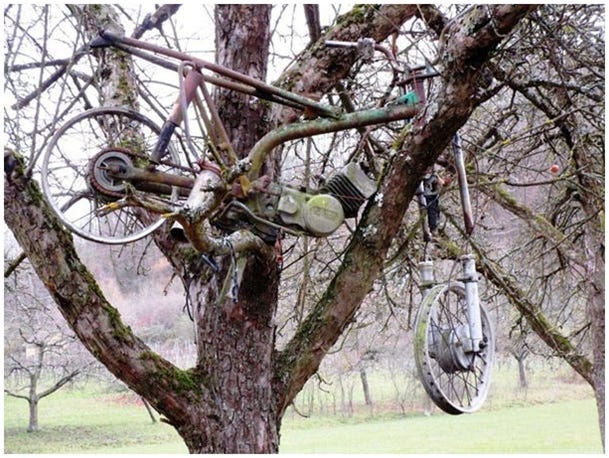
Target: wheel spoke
{"type": "Point", "coordinates": [74, 168]}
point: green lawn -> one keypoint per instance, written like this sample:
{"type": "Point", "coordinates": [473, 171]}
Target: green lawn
{"type": "Point", "coordinates": [74, 422]}
{"type": "Point", "coordinates": [565, 427]}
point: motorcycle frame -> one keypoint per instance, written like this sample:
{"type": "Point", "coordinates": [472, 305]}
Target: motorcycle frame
{"type": "Point", "coordinates": [474, 338]}
{"type": "Point", "coordinates": [199, 72]}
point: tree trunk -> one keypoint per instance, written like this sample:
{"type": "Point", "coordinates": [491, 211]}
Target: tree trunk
{"type": "Point", "coordinates": [236, 335]}
{"type": "Point", "coordinates": [33, 404]}
{"type": "Point", "coordinates": [366, 387]}
{"type": "Point", "coordinates": [233, 400]}
{"type": "Point", "coordinates": [522, 374]}
{"type": "Point", "coordinates": [235, 342]}
{"type": "Point", "coordinates": [343, 397]}
{"type": "Point", "coordinates": [33, 421]}
{"type": "Point", "coordinates": [597, 317]}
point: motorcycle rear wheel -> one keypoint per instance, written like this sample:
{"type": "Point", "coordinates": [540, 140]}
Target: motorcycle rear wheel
{"type": "Point", "coordinates": [76, 182]}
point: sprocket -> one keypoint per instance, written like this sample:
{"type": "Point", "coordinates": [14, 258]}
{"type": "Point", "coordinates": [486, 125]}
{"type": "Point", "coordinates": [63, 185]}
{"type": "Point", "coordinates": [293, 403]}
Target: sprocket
{"type": "Point", "coordinates": [100, 171]}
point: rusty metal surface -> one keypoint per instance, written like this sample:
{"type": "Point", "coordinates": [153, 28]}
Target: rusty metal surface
{"type": "Point", "coordinates": [322, 126]}
{"type": "Point", "coordinates": [463, 189]}
{"type": "Point", "coordinates": [321, 109]}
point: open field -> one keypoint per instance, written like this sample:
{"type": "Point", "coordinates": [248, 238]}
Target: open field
{"type": "Point", "coordinates": [561, 418]}
{"type": "Point", "coordinates": [100, 426]}
{"type": "Point", "coordinates": [566, 427]}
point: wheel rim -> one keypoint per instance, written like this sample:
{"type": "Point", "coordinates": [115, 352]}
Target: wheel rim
{"type": "Point", "coordinates": [72, 173]}
{"type": "Point", "coordinates": [457, 381]}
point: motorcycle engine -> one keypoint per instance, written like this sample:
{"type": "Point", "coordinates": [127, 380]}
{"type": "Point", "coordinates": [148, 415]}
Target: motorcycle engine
{"type": "Point", "coordinates": [318, 213]}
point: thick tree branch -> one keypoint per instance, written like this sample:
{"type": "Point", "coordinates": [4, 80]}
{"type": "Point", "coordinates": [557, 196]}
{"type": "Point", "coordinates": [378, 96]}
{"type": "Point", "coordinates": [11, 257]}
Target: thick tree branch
{"type": "Point", "coordinates": [474, 37]}
{"type": "Point", "coordinates": [318, 69]}
{"type": "Point", "coordinates": [312, 17]}
{"type": "Point", "coordinates": [97, 324]}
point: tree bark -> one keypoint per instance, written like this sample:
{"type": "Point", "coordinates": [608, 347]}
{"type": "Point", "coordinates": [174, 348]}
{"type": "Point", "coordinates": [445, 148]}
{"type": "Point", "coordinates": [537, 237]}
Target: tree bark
{"type": "Point", "coordinates": [366, 388]}
{"type": "Point", "coordinates": [97, 324]}
{"type": "Point", "coordinates": [236, 335]}
{"type": "Point", "coordinates": [33, 411]}
{"type": "Point", "coordinates": [33, 402]}
{"type": "Point", "coordinates": [522, 373]}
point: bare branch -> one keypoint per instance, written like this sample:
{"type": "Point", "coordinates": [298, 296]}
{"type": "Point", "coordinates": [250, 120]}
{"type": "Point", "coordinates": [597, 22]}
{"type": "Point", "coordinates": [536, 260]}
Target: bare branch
{"type": "Point", "coordinates": [15, 395]}
{"type": "Point", "coordinates": [14, 264]}
{"type": "Point", "coordinates": [464, 56]}
{"type": "Point", "coordinates": [155, 20]}
{"type": "Point", "coordinates": [57, 385]}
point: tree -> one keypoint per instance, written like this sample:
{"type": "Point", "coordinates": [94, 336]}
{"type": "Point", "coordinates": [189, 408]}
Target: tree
{"type": "Point", "coordinates": [234, 398]}
{"type": "Point", "coordinates": [520, 351]}
{"type": "Point", "coordinates": [41, 355]}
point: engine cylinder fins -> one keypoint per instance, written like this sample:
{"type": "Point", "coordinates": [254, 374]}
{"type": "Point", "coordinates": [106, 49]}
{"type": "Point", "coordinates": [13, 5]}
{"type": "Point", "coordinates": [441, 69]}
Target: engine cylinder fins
{"type": "Point", "coordinates": [351, 186]}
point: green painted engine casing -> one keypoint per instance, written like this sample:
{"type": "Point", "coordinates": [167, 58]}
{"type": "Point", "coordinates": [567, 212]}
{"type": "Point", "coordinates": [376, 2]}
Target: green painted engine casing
{"type": "Point", "coordinates": [320, 214]}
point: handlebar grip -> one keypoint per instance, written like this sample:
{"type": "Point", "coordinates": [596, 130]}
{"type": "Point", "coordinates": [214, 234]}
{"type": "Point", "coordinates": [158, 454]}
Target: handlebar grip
{"type": "Point", "coordinates": [100, 42]}
{"type": "Point", "coordinates": [160, 149]}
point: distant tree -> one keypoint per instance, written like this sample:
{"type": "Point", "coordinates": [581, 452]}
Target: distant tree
{"type": "Point", "coordinates": [519, 350]}
{"type": "Point", "coordinates": [41, 354]}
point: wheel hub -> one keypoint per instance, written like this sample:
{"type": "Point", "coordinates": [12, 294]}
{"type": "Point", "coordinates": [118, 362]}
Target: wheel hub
{"type": "Point", "coordinates": [105, 169]}
{"type": "Point", "coordinates": [447, 349]}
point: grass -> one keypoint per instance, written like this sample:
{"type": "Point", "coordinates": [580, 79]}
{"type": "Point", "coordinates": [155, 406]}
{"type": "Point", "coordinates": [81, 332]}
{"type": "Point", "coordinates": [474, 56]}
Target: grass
{"type": "Point", "coordinates": [565, 427]}
{"type": "Point", "coordinates": [95, 425]}
{"type": "Point", "coordinates": [81, 422]}
{"type": "Point", "coordinates": [557, 415]}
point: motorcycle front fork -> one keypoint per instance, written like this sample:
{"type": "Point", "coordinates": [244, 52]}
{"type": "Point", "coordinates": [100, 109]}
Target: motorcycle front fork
{"type": "Point", "coordinates": [473, 340]}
